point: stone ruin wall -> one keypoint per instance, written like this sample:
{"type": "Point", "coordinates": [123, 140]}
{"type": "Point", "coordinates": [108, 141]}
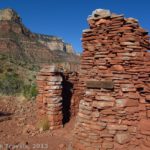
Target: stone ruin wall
{"type": "Point", "coordinates": [49, 99]}
{"type": "Point", "coordinates": [54, 100]}
{"type": "Point", "coordinates": [114, 81]}
{"type": "Point", "coordinates": [111, 95]}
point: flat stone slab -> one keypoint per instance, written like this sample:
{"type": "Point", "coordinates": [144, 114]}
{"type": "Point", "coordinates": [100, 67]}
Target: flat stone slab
{"type": "Point", "coordinates": [100, 84]}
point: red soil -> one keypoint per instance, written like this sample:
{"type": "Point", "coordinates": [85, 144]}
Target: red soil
{"type": "Point", "coordinates": [18, 128]}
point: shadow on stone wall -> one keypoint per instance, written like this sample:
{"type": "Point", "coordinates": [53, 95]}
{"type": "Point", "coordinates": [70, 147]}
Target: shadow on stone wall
{"type": "Point", "coordinates": [66, 95]}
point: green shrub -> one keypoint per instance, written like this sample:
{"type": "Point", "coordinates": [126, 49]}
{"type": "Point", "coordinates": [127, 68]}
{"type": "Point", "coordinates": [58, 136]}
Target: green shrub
{"type": "Point", "coordinates": [30, 91]}
{"type": "Point", "coordinates": [10, 83]}
{"type": "Point", "coordinates": [3, 57]}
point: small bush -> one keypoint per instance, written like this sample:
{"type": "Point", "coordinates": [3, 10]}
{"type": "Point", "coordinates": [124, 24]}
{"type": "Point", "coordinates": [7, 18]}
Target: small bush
{"type": "Point", "coordinates": [3, 57]}
{"type": "Point", "coordinates": [30, 91]}
{"type": "Point", "coordinates": [10, 83]}
{"type": "Point", "coordinates": [43, 124]}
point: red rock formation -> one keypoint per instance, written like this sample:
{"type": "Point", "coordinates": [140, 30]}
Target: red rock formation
{"type": "Point", "coordinates": [114, 85]}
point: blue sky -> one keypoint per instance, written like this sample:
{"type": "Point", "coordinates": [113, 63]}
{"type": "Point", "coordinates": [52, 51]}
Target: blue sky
{"type": "Point", "coordinates": [67, 18]}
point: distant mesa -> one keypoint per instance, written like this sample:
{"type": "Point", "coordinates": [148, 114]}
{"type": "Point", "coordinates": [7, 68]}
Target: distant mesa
{"type": "Point", "coordinates": [19, 42]}
{"type": "Point", "coordinates": [52, 42]}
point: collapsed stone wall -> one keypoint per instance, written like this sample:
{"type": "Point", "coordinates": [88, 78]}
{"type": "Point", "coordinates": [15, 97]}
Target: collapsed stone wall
{"type": "Point", "coordinates": [114, 83]}
{"type": "Point", "coordinates": [54, 100]}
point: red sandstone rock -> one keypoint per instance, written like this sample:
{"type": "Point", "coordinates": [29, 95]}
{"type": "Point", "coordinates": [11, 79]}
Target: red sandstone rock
{"type": "Point", "coordinates": [105, 98]}
{"type": "Point", "coordinates": [108, 145]}
{"type": "Point", "coordinates": [147, 97]}
{"type": "Point", "coordinates": [148, 113]}
{"type": "Point", "coordinates": [146, 141]}
{"type": "Point", "coordinates": [126, 103]}
{"type": "Point", "coordinates": [122, 138]}
{"type": "Point", "coordinates": [117, 127]}
{"type": "Point", "coordinates": [62, 146]}
{"type": "Point", "coordinates": [102, 105]}
{"type": "Point", "coordinates": [145, 126]}
{"type": "Point", "coordinates": [117, 68]}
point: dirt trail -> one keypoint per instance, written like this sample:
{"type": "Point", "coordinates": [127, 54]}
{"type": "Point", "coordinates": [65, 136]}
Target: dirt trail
{"type": "Point", "coordinates": [17, 128]}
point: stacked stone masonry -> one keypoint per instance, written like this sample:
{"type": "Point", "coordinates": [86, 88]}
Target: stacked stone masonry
{"type": "Point", "coordinates": [114, 85]}
{"type": "Point", "coordinates": [55, 100]}
{"type": "Point", "coordinates": [49, 99]}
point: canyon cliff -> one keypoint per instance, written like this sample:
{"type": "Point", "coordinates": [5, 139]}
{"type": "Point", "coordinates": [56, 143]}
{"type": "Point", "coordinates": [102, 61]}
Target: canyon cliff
{"type": "Point", "coordinates": [19, 43]}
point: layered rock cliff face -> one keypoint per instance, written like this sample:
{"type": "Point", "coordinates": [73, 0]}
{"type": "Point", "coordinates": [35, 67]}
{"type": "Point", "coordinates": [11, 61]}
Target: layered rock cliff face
{"type": "Point", "coordinates": [19, 43]}
{"type": "Point", "coordinates": [54, 43]}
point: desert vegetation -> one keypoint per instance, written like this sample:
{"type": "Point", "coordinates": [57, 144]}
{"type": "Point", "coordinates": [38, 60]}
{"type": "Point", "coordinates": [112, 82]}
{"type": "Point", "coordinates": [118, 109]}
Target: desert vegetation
{"type": "Point", "coordinates": [17, 78]}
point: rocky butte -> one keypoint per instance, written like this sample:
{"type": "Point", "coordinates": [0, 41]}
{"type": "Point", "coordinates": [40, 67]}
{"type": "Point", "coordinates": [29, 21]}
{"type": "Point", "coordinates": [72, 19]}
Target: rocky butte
{"type": "Point", "coordinates": [17, 42]}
